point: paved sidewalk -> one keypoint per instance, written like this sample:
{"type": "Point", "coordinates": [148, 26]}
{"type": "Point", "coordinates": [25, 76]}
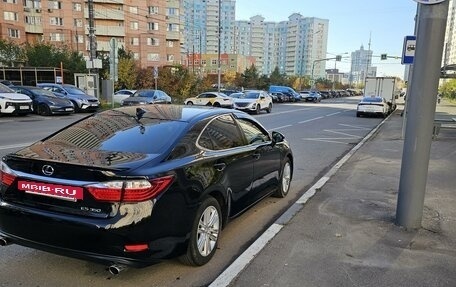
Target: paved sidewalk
{"type": "Point", "coordinates": [345, 235]}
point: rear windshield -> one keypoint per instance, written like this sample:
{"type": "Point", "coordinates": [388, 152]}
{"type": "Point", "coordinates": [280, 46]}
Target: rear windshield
{"type": "Point", "coordinates": [115, 132]}
{"type": "Point", "coordinates": [144, 93]}
{"type": "Point", "coordinates": [73, 90]}
{"type": "Point", "coordinates": [372, 100]}
{"type": "Point", "coordinates": [5, 89]}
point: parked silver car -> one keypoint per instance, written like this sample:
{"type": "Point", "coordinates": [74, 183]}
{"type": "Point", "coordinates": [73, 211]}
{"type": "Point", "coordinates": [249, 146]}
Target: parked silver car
{"type": "Point", "coordinates": [80, 100]}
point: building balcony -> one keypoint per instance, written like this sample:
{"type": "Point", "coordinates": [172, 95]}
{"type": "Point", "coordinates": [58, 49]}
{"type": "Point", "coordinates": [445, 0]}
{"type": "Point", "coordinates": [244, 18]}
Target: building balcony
{"type": "Point", "coordinates": [34, 29]}
{"type": "Point", "coordinates": [172, 35]}
{"type": "Point", "coordinates": [108, 1]}
{"type": "Point", "coordinates": [108, 31]}
{"type": "Point", "coordinates": [109, 14]}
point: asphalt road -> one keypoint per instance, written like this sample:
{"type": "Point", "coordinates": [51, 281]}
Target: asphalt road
{"type": "Point", "coordinates": [319, 134]}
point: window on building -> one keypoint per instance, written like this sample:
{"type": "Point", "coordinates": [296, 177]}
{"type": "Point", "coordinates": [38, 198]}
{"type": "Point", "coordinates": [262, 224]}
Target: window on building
{"type": "Point", "coordinates": [77, 6]}
{"type": "Point", "coordinates": [172, 11]}
{"type": "Point", "coordinates": [152, 41]}
{"type": "Point", "coordinates": [134, 25]}
{"type": "Point", "coordinates": [213, 62]}
{"type": "Point", "coordinates": [56, 21]}
{"type": "Point", "coordinates": [153, 10]}
{"type": "Point", "coordinates": [134, 41]}
{"type": "Point", "coordinates": [197, 62]}
{"type": "Point", "coordinates": [153, 57]}
{"type": "Point", "coordinates": [172, 27]}
{"type": "Point", "coordinates": [170, 43]}
{"type": "Point", "coordinates": [10, 16]}
{"type": "Point", "coordinates": [78, 22]}
{"type": "Point", "coordinates": [170, 58]}
{"type": "Point", "coordinates": [33, 20]}
{"type": "Point", "coordinates": [79, 38]}
{"type": "Point", "coordinates": [13, 33]}
{"type": "Point", "coordinates": [54, 5]}
{"type": "Point", "coordinates": [152, 26]}
{"type": "Point", "coordinates": [56, 37]}
{"type": "Point", "coordinates": [203, 62]}
{"type": "Point", "coordinates": [136, 56]}
{"type": "Point", "coordinates": [134, 9]}
{"type": "Point", "coordinates": [13, 2]}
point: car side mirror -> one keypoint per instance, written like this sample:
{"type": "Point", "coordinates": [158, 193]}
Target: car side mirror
{"type": "Point", "coordinates": [277, 137]}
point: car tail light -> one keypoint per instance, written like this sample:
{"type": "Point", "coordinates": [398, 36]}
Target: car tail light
{"type": "Point", "coordinates": [129, 190]}
{"type": "Point", "coordinates": [7, 176]}
{"type": "Point", "coordinates": [136, 247]}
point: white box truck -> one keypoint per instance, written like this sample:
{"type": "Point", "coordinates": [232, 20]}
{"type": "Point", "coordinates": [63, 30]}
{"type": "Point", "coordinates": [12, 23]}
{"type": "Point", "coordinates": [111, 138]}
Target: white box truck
{"type": "Point", "coordinates": [385, 87]}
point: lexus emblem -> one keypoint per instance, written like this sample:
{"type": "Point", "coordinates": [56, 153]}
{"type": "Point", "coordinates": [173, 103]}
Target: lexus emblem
{"type": "Point", "coordinates": [47, 170]}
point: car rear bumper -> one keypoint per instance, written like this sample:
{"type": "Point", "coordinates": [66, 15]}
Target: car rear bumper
{"type": "Point", "coordinates": [91, 239]}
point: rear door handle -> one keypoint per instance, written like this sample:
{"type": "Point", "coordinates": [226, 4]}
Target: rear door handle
{"type": "Point", "coordinates": [256, 155]}
{"type": "Point", "coordinates": [220, 166]}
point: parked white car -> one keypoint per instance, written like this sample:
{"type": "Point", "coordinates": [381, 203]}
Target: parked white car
{"type": "Point", "coordinates": [121, 95]}
{"type": "Point", "coordinates": [214, 99]}
{"type": "Point", "coordinates": [254, 101]}
{"type": "Point", "coordinates": [373, 106]}
{"type": "Point", "coordinates": [14, 103]}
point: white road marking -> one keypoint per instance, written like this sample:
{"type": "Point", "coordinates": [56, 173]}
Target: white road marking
{"type": "Point", "coordinates": [329, 140]}
{"type": "Point", "coordinates": [341, 133]}
{"type": "Point", "coordinates": [284, 112]}
{"type": "Point", "coordinates": [14, 146]}
{"type": "Point", "coordinates": [309, 120]}
{"type": "Point", "coordinates": [356, 127]}
{"type": "Point", "coordinates": [282, 127]}
{"type": "Point", "coordinates": [333, 114]}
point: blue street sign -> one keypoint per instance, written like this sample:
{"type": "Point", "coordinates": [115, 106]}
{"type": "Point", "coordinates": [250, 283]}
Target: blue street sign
{"type": "Point", "coordinates": [408, 52]}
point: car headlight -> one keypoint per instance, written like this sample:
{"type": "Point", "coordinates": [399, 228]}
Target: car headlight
{"type": "Point", "coordinates": [85, 101]}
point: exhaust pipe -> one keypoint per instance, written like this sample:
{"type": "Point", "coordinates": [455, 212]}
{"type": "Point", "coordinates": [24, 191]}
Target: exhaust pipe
{"type": "Point", "coordinates": [4, 241]}
{"type": "Point", "coordinates": [115, 269]}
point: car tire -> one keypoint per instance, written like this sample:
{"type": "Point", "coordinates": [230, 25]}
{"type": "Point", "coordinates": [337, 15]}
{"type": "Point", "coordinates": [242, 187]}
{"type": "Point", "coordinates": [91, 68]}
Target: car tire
{"type": "Point", "coordinates": [43, 110]}
{"type": "Point", "coordinates": [217, 105]}
{"type": "Point", "coordinates": [76, 107]}
{"type": "Point", "coordinates": [190, 103]}
{"type": "Point", "coordinates": [358, 115]}
{"type": "Point", "coordinates": [269, 109]}
{"type": "Point", "coordinates": [285, 180]}
{"type": "Point", "coordinates": [205, 233]}
{"type": "Point", "coordinates": [258, 109]}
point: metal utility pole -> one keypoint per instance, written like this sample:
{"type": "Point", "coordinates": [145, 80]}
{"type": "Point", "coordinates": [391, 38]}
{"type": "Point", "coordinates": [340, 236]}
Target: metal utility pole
{"type": "Point", "coordinates": [422, 102]}
{"type": "Point", "coordinates": [219, 68]}
{"type": "Point", "coordinates": [92, 40]}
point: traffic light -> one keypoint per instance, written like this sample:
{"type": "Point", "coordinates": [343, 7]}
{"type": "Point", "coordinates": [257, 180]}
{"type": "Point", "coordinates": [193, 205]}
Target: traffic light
{"type": "Point", "coordinates": [383, 56]}
{"type": "Point", "coordinates": [338, 58]}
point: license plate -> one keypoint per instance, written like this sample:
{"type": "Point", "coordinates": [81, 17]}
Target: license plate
{"type": "Point", "coordinates": [64, 192]}
{"type": "Point", "coordinates": [94, 105]}
{"type": "Point", "coordinates": [68, 109]}
{"type": "Point", "coordinates": [24, 107]}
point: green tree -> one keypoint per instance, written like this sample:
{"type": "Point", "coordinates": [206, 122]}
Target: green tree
{"type": "Point", "coordinates": [448, 89]}
{"type": "Point", "coordinates": [11, 53]}
{"type": "Point", "coordinates": [276, 78]}
{"type": "Point", "coordinates": [249, 79]}
{"type": "Point", "coordinates": [126, 72]}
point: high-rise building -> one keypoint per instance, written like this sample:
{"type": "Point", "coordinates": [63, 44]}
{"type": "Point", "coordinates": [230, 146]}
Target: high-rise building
{"type": "Point", "coordinates": [201, 26]}
{"type": "Point", "coordinates": [292, 46]}
{"type": "Point", "coordinates": [150, 28]}
{"type": "Point", "coordinates": [361, 65]}
{"type": "Point", "coordinates": [449, 48]}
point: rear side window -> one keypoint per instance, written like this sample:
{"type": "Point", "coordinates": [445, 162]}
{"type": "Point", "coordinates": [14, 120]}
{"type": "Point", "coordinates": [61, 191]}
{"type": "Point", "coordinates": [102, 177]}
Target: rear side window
{"type": "Point", "coordinates": [252, 132]}
{"type": "Point", "coordinates": [221, 133]}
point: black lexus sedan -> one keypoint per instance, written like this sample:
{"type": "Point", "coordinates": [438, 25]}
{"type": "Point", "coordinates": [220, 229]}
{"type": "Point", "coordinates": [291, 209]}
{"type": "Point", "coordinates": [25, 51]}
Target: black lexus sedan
{"type": "Point", "coordinates": [45, 102]}
{"type": "Point", "coordinates": [136, 185]}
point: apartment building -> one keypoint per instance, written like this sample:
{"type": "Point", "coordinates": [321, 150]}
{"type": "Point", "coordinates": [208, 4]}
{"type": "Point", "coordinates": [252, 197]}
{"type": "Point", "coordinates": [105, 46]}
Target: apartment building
{"type": "Point", "coordinates": [203, 20]}
{"type": "Point", "coordinates": [361, 63]}
{"type": "Point", "coordinates": [151, 29]}
{"type": "Point", "coordinates": [291, 45]}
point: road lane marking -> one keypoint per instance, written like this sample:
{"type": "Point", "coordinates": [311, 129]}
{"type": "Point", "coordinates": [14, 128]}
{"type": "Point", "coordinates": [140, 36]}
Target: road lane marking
{"type": "Point", "coordinates": [341, 133]}
{"type": "Point", "coordinates": [330, 140]}
{"type": "Point", "coordinates": [14, 146]}
{"type": "Point", "coordinates": [284, 112]}
{"type": "Point", "coordinates": [353, 126]}
{"type": "Point", "coordinates": [310, 120]}
{"type": "Point", "coordinates": [333, 114]}
{"type": "Point", "coordinates": [278, 128]}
